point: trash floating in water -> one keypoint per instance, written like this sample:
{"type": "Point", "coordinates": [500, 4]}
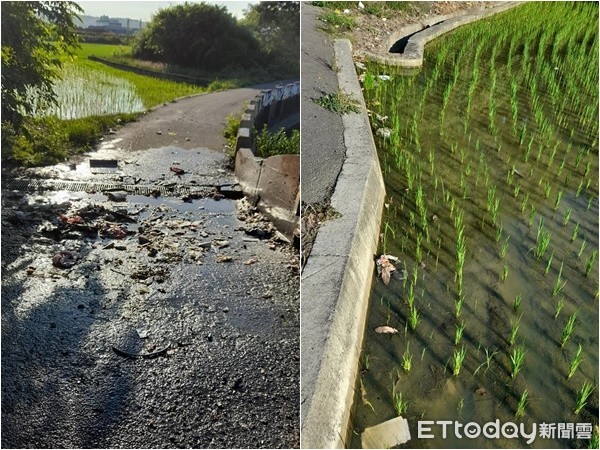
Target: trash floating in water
{"type": "Point", "coordinates": [384, 77]}
{"type": "Point", "coordinates": [387, 434]}
{"type": "Point", "coordinates": [385, 133]}
{"type": "Point", "coordinates": [385, 267]}
{"type": "Point", "coordinates": [384, 329]}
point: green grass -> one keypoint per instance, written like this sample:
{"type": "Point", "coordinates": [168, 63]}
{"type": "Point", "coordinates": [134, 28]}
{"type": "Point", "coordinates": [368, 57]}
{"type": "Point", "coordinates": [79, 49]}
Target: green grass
{"type": "Point", "coordinates": [336, 22]}
{"type": "Point", "coordinates": [339, 102]}
{"type": "Point", "coordinates": [269, 143]}
{"type": "Point", "coordinates": [51, 140]}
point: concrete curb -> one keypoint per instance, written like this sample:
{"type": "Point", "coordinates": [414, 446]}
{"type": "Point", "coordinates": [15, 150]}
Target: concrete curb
{"type": "Point", "coordinates": [336, 280]}
{"type": "Point", "coordinates": [413, 52]}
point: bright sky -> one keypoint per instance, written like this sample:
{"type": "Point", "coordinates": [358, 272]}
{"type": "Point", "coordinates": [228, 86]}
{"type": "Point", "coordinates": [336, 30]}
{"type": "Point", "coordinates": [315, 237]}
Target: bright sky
{"type": "Point", "coordinates": [145, 9]}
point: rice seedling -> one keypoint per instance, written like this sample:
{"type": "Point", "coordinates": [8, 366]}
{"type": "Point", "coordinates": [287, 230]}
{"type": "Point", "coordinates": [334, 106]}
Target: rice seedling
{"type": "Point", "coordinates": [547, 190]}
{"type": "Point", "coordinates": [458, 359]}
{"type": "Point", "coordinates": [517, 358]}
{"type": "Point", "coordinates": [588, 166]}
{"type": "Point", "coordinates": [558, 199]}
{"type": "Point", "coordinates": [559, 306]}
{"type": "Point", "coordinates": [458, 333]}
{"type": "Point", "coordinates": [410, 298]}
{"type": "Point", "coordinates": [517, 302]}
{"type": "Point", "coordinates": [594, 441]}
{"type": "Point", "coordinates": [400, 405]}
{"type": "Point", "coordinates": [575, 362]}
{"type": "Point", "coordinates": [504, 247]}
{"type": "Point", "coordinates": [504, 272]}
{"type": "Point", "coordinates": [531, 216]}
{"type": "Point", "coordinates": [589, 203]}
{"type": "Point", "coordinates": [568, 329]}
{"type": "Point", "coordinates": [522, 404]}
{"type": "Point", "coordinates": [499, 233]}
{"type": "Point", "coordinates": [575, 232]}
{"type": "Point", "coordinates": [567, 216]}
{"type": "Point", "coordinates": [524, 202]}
{"type": "Point", "coordinates": [559, 285]}
{"type": "Point", "coordinates": [543, 240]}
{"type": "Point", "coordinates": [582, 396]}
{"type": "Point", "coordinates": [514, 330]}
{"type": "Point", "coordinates": [413, 318]}
{"type": "Point", "coordinates": [549, 263]}
{"type": "Point", "coordinates": [458, 303]}
{"type": "Point", "coordinates": [366, 362]}
{"type": "Point", "coordinates": [590, 263]}
{"type": "Point", "coordinates": [579, 189]}
{"type": "Point", "coordinates": [582, 248]}
{"type": "Point", "coordinates": [407, 359]}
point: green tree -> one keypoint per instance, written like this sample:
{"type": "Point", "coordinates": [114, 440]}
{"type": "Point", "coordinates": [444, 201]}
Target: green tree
{"type": "Point", "coordinates": [277, 26]}
{"type": "Point", "coordinates": [198, 35]}
{"type": "Point", "coordinates": [36, 36]}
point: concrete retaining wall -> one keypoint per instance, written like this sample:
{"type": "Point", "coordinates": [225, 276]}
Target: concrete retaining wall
{"type": "Point", "coordinates": [413, 52]}
{"type": "Point", "coordinates": [272, 184]}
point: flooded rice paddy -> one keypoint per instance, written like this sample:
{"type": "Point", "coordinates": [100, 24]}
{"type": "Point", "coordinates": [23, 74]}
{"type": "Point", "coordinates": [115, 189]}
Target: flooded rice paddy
{"type": "Point", "coordinates": [82, 91]}
{"type": "Point", "coordinates": [490, 158]}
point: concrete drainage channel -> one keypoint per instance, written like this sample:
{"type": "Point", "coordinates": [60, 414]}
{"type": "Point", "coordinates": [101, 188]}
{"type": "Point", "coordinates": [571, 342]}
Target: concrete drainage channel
{"type": "Point", "coordinates": [406, 47]}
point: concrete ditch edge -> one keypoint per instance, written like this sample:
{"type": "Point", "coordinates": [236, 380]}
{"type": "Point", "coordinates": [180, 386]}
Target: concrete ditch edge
{"type": "Point", "coordinates": [336, 281]}
{"type": "Point", "coordinates": [415, 48]}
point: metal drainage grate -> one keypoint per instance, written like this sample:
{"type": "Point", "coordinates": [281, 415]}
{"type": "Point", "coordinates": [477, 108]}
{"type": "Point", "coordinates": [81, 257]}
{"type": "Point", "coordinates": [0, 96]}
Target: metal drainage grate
{"type": "Point", "coordinates": [91, 187]}
{"type": "Point", "coordinates": [231, 191]}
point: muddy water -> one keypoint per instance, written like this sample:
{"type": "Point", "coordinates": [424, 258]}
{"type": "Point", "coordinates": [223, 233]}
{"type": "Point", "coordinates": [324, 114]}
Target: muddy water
{"type": "Point", "coordinates": [480, 392]}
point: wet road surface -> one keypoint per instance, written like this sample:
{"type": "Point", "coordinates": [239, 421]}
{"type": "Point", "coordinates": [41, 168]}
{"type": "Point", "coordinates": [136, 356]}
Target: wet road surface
{"type": "Point", "coordinates": [148, 322]}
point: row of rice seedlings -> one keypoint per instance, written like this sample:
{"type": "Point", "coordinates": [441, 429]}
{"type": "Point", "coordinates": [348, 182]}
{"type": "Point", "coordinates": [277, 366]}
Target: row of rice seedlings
{"type": "Point", "coordinates": [461, 250]}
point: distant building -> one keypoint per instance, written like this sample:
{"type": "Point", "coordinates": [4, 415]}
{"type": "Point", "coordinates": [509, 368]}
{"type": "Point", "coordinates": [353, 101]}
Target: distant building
{"type": "Point", "coordinates": [111, 24]}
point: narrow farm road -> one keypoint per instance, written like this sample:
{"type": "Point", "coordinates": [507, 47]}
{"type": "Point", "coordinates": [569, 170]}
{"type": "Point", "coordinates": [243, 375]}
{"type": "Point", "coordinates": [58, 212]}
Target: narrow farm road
{"type": "Point", "coordinates": [144, 307]}
{"type": "Point", "coordinates": [192, 122]}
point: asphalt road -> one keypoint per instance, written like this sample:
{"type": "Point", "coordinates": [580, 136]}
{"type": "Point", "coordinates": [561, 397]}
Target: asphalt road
{"type": "Point", "coordinates": [322, 141]}
{"type": "Point", "coordinates": [188, 123]}
{"type": "Point", "coordinates": [190, 280]}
